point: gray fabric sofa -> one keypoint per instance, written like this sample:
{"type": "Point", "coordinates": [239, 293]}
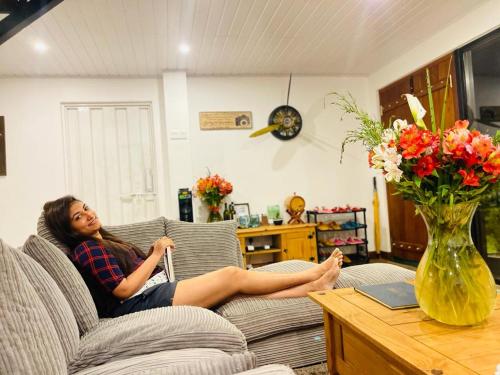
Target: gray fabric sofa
{"type": "Point", "coordinates": [39, 333]}
{"type": "Point", "coordinates": [286, 331]}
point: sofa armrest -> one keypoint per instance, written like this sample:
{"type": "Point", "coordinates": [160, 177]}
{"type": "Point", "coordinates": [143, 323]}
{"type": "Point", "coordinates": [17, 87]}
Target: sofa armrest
{"type": "Point", "coordinates": [203, 247]}
{"type": "Point", "coordinates": [151, 331]}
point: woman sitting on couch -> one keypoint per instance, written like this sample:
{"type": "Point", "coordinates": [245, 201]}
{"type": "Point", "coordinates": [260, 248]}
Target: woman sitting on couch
{"type": "Point", "coordinates": [122, 280]}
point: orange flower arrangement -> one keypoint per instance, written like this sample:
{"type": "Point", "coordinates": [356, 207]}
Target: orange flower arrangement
{"type": "Point", "coordinates": [212, 190]}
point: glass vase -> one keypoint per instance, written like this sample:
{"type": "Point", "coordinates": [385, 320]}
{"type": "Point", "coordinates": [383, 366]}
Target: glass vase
{"type": "Point", "coordinates": [453, 283]}
{"type": "Point", "coordinates": [214, 214]}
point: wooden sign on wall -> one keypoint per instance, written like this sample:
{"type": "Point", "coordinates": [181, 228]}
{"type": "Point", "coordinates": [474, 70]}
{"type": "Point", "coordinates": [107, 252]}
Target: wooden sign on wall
{"type": "Point", "coordinates": [225, 120]}
{"type": "Point", "coordinates": [3, 161]}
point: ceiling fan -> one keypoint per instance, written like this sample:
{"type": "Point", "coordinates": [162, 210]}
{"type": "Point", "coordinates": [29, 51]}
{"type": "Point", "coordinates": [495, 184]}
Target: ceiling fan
{"type": "Point", "coordinates": [284, 121]}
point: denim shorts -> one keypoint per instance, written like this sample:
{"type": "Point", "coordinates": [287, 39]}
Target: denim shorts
{"type": "Point", "coordinates": [160, 295]}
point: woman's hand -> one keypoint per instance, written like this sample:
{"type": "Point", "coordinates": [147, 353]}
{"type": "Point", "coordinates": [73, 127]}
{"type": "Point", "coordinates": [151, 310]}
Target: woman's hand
{"type": "Point", "coordinates": [161, 244]}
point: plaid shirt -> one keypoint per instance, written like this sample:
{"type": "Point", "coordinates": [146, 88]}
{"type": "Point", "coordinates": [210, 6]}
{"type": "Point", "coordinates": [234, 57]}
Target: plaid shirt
{"type": "Point", "coordinates": [94, 257]}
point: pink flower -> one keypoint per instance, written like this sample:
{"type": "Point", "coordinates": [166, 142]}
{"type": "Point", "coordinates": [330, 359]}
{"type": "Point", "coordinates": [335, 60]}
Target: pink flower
{"type": "Point", "coordinates": [482, 145]}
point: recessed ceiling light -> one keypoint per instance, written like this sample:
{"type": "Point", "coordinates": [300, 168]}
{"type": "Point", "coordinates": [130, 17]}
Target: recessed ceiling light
{"type": "Point", "coordinates": [184, 48]}
{"type": "Point", "coordinates": [40, 47]}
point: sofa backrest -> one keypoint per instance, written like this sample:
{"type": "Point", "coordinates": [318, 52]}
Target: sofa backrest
{"type": "Point", "coordinates": [54, 301]}
{"type": "Point", "coordinates": [28, 339]}
{"type": "Point", "coordinates": [67, 278]}
{"type": "Point", "coordinates": [203, 247]}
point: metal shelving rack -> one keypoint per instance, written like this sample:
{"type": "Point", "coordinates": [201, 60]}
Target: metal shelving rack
{"type": "Point", "coordinates": [361, 254]}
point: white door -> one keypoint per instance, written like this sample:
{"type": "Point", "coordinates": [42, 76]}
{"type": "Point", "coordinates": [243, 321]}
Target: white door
{"type": "Point", "coordinates": [110, 159]}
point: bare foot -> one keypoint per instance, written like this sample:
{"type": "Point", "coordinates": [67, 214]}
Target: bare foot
{"type": "Point", "coordinates": [320, 269]}
{"type": "Point", "coordinates": [329, 278]}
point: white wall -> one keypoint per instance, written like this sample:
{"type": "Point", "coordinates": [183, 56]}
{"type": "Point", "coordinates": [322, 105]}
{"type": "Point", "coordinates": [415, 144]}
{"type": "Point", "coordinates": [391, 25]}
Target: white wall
{"type": "Point", "coordinates": [265, 170]}
{"type": "Point", "coordinates": [35, 168]}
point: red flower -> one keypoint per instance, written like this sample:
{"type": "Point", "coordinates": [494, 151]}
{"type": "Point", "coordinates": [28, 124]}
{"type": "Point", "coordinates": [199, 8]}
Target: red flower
{"type": "Point", "coordinates": [492, 165]}
{"type": "Point", "coordinates": [470, 178]}
{"type": "Point", "coordinates": [411, 142]}
{"type": "Point", "coordinates": [425, 166]}
{"type": "Point", "coordinates": [370, 155]}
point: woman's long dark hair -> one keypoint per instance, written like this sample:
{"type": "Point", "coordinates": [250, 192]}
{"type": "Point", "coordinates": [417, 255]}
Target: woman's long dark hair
{"type": "Point", "coordinates": [57, 219]}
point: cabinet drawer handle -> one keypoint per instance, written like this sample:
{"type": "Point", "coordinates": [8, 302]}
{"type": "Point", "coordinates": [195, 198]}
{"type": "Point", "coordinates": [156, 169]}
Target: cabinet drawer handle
{"type": "Point", "coordinates": [285, 250]}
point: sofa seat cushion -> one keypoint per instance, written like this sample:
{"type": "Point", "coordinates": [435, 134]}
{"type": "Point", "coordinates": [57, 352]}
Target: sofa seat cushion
{"type": "Point", "coordinates": [377, 273]}
{"type": "Point", "coordinates": [52, 298]}
{"type": "Point", "coordinates": [149, 331]}
{"type": "Point", "coordinates": [199, 361]}
{"type": "Point", "coordinates": [258, 318]}
{"type": "Point", "coordinates": [28, 339]}
{"type": "Point", "coordinates": [203, 247]}
{"type": "Point", "coordinates": [67, 278]}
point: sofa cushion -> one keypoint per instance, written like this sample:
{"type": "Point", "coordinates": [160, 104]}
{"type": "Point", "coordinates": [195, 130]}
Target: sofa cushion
{"type": "Point", "coordinates": [28, 339]}
{"type": "Point", "coordinates": [56, 305]}
{"type": "Point", "coordinates": [44, 232]}
{"type": "Point", "coordinates": [258, 317]}
{"type": "Point", "coordinates": [141, 234]}
{"type": "Point", "coordinates": [178, 362]}
{"type": "Point", "coordinates": [148, 331]}
{"type": "Point", "coordinates": [377, 273]}
{"type": "Point", "coordinates": [67, 277]}
{"type": "Point", "coordinates": [203, 247]}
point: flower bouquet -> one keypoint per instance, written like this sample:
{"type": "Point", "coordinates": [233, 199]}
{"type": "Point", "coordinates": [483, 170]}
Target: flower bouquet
{"type": "Point", "coordinates": [445, 172]}
{"type": "Point", "coordinates": [212, 190]}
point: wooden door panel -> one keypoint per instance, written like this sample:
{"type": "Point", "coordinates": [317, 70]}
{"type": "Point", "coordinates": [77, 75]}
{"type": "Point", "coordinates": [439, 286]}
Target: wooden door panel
{"type": "Point", "coordinates": [407, 230]}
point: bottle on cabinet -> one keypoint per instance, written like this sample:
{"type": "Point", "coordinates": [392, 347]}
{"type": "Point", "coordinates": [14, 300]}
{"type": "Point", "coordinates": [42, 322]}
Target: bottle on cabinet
{"type": "Point", "coordinates": [226, 214]}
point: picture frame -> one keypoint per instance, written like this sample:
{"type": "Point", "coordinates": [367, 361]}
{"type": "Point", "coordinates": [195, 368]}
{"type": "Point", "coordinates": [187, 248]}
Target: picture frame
{"type": "Point", "coordinates": [241, 209]}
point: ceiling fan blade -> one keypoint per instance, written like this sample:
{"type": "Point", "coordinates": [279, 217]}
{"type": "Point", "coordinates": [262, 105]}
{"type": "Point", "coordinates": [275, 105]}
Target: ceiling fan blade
{"type": "Point", "coordinates": [265, 130]}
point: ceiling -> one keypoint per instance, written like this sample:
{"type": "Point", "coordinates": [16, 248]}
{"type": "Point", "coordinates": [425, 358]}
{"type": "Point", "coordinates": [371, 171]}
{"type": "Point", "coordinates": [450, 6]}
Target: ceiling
{"type": "Point", "coordinates": [228, 37]}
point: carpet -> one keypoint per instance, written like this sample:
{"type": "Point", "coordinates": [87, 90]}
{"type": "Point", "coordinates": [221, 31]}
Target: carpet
{"type": "Point", "coordinates": [320, 369]}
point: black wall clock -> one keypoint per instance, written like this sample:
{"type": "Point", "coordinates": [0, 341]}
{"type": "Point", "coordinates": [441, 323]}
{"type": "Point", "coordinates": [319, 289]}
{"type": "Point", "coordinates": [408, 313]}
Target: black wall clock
{"type": "Point", "coordinates": [284, 121]}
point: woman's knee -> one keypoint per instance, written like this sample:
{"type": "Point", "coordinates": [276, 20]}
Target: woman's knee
{"type": "Point", "coordinates": [233, 274]}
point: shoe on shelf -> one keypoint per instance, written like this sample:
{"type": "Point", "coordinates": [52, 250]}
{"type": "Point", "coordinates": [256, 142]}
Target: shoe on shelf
{"type": "Point", "coordinates": [338, 241]}
{"type": "Point", "coordinates": [351, 224]}
{"type": "Point", "coordinates": [323, 226]}
{"type": "Point", "coordinates": [346, 259]}
{"type": "Point", "coordinates": [335, 226]}
{"type": "Point", "coordinates": [354, 241]}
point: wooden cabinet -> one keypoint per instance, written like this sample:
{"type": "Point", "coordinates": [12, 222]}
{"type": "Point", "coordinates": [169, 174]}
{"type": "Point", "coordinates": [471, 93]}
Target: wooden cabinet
{"type": "Point", "coordinates": [285, 242]}
{"type": "Point", "coordinates": [408, 232]}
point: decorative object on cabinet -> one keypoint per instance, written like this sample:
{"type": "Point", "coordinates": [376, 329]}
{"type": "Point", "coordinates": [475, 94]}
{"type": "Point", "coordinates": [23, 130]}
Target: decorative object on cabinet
{"type": "Point", "coordinates": [241, 209]}
{"type": "Point", "coordinates": [285, 242]}
{"type": "Point", "coordinates": [284, 122]}
{"type": "Point", "coordinates": [295, 206]}
{"type": "Point", "coordinates": [274, 214]}
{"type": "Point", "coordinates": [341, 227]}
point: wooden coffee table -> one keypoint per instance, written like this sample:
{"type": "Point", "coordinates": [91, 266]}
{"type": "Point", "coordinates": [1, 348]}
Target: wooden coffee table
{"type": "Point", "coordinates": [365, 337]}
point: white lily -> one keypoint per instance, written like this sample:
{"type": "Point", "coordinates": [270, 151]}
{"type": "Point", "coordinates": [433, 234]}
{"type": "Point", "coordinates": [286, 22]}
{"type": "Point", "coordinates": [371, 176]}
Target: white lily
{"type": "Point", "coordinates": [388, 135]}
{"type": "Point", "coordinates": [417, 110]}
{"type": "Point", "coordinates": [399, 125]}
{"type": "Point", "coordinates": [378, 157]}
{"type": "Point", "coordinates": [393, 173]}
{"type": "Point", "coordinates": [391, 155]}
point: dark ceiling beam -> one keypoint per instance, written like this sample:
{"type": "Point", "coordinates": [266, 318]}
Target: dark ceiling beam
{"type": "Point", "coordinates": [21, 14]}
